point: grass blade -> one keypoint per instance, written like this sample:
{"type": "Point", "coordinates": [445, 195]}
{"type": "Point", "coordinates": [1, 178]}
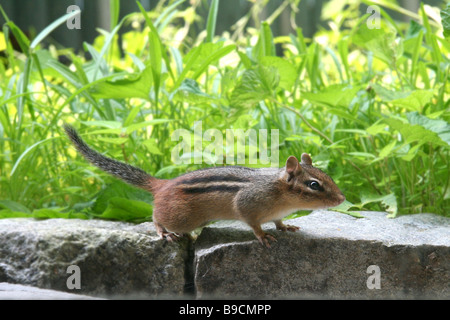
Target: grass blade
{"type": "Point", "coordinates": [44, 33]}
{"type": "Point", "coordinates": [211, 22]}
{"type": "Point", "coordinates": [155, 52]}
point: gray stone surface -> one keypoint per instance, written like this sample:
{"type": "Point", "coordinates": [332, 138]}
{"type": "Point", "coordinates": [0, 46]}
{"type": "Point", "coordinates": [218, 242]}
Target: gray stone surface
{"type": "Point", "coordinates": [115, 258]}
{"type": "Point", "coordinates": [9, 291]}
{"type": "Point", "coordinates": [328, 258]}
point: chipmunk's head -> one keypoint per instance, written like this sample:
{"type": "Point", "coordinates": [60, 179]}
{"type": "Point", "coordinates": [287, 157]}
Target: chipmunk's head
{"type": "Point", "coordinates": [309, 186]}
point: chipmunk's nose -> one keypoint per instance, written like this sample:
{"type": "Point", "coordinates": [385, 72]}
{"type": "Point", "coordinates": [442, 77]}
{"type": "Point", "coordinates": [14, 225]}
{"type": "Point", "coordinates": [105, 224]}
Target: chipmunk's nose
{"type": "Point", "coordinates": [341, 198]}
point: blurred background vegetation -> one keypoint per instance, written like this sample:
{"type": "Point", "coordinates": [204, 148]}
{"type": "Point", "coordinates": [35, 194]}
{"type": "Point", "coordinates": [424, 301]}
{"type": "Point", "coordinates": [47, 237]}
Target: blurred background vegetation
{"type": "Point", "coordinates": [370, 105]}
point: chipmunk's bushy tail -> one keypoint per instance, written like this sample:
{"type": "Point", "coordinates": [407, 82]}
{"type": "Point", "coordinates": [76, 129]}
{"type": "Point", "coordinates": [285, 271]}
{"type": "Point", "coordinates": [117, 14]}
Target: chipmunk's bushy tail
{"type": "Point", "coordinates": [126, 172]}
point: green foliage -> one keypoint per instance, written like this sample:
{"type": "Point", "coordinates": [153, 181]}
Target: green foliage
{"type": "Point", "coordinates": [370, 105]}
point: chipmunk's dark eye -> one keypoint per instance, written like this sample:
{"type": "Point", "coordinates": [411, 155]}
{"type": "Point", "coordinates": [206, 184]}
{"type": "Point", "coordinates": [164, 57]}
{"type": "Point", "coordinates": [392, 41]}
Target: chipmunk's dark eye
{"type": "Point", "coordinates": [314, 185]}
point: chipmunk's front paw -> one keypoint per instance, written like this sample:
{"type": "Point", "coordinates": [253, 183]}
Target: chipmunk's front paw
{"type": "Point", "coordinates": [287, 227]}
{"type": "Point", "coordinates": [264, 240]}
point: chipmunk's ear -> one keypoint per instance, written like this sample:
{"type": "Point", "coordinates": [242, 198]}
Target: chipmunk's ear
{"type": "Point", "coordinates": [306, 159]}
{"type": "Point", "coordinates": [293, 168]}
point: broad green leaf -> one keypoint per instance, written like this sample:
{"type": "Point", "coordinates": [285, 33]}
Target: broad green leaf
{"type": "Point", "coordinates": [190, 92]}
{"type": "Point", "coordinates": [215, 56]}
{"type": "Point", "coordinates": [386, 48]}
{"type": "Point", "coordinates": [334, 95]}
{"type": "Point", "coordinates": [124, 209]}
{"type": "Point", "coordinates": [152, 146]}
{"type": "Point", "coordinates": [199, 58]}
{"type": "Point", "coordinates": [412, 152]}
{"type": "Point", "coordinates": [13, 206]}
{"type": "Point", "coordinates": [287, 71]}
{"type": "Point", "coordinates": [120, 189]}
{"type": "Point", "coordinates": [387, 149]}
{"type": "Point", "coordinates": [376, 129]}
{"type": "Point", "coordinates": [440, 127]}
{"type": "Point", "coordinates": [345, 207]}
{"type": "Point", "coordinates": [410, 100]}
{"type": "Point", "coordinates": [383, 44]}
{"type": "Point", "coordinates": [415, 133]}
{"type": "Point", "coordinates": [388, 95]}
{"type": "Point", "coordinates": [134, 85]}
{"type": "Point", "coordinates": [389, 201]}
{"type": "Point", "coordinates": [255, 85]}
{"type": "Point", "coordinates": [8, 213]}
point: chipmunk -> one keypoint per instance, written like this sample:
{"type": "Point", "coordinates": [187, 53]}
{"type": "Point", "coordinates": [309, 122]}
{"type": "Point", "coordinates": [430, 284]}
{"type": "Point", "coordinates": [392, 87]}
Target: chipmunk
{"type": "Point", "coordinates": [254, 196]}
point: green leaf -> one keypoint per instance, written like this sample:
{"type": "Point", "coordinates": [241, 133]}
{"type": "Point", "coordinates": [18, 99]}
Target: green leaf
{"type": "Point", "coordinates": [333, 95]}
{"type": "Point", "coordinates": [131, 116]}
{"type": "Point", "coordinates": [415, 133]}
{"type": "Point", "coordinates": [410, 100]}
{"type": "Point", "coordinates": [132, 85]}
{"type": "Point", "coordinates": [286, 70]}
{"type": "Point", "coordinates": [211, 22]}
{"type": "Point", "coordinates": [265, 45]}
{"type": "Point", "coordinates": [47, 213]}
{"type": "Point", "coordinates": [213, 57]}
{"type": "Point", "coordinates": [155, 50]}
{"type": "Point", "coordinates": [376, 129]}
{"type": "Point", "coordinates": [117, 140]}
{"type": "Point", "coordinates": [345, 207]}
{"type": "Point", "coordinates": [120, 189]}
{"type": "Point", "coordinates": [440, 127]}
{"type": "Point", "coordinates": [20, 37]}
{"type": "Point", "coordinates": [389, 201]}
{"type": "Point", "coordinates": [255, 85]}
{"type": "Point", "coordinates": [8, 213]}
{"type": "Point", "coordinates": [383, 44]}
{"type": "Point", "coordinates": [445, 18]}
{"type": "Point", "coordinates": [124, 209]}
{"type": "Point", "coordinates": [152, 147]}
{"type": "Point", "coordinates": [386, 151]}
{"type": "Point", "coordinates": [47, 30]}
{"type": "Point", "coordinates": [13, 206]}
{"type": "Point", "coordinates": [190, 92]}
{"type": "Point", "coordinates": [199, 58]}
